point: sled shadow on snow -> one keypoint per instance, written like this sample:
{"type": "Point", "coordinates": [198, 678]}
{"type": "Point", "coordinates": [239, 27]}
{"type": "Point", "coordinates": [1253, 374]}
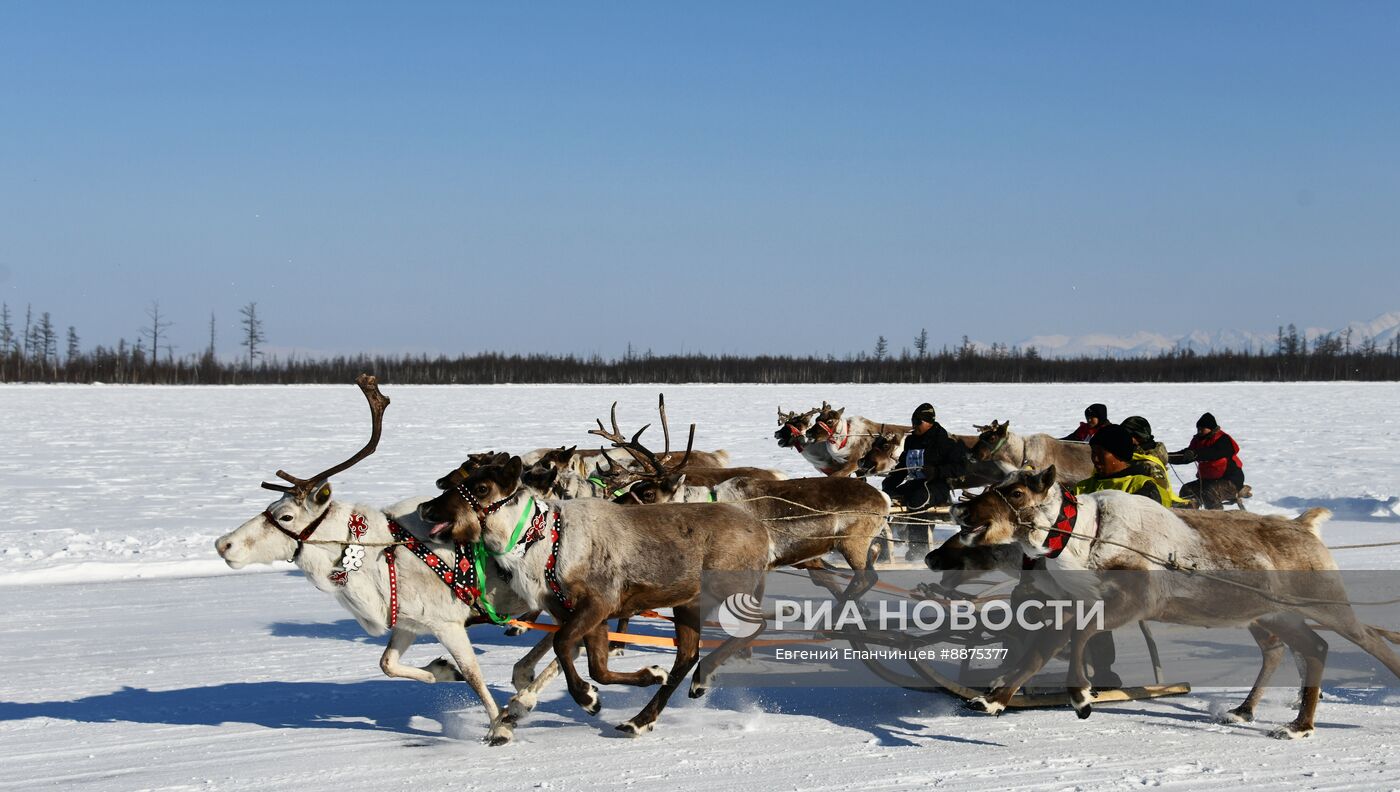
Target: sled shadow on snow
{"type": "Point", "coordinates": [381, 705]}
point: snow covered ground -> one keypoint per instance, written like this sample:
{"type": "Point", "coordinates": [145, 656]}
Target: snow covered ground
{"type": "Point", "coordinates": [135, 659]}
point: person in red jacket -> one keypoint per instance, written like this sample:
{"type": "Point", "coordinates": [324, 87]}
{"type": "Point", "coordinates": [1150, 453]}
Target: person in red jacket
{"type": "Point", "coordinates": [1219, 472]}
{"type": "Point", "coordinates": [1095, 418]}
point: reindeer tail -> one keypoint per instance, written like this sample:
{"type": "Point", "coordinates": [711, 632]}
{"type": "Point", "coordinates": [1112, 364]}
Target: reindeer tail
{"type": "Point", "coordinates": [1312, 519]}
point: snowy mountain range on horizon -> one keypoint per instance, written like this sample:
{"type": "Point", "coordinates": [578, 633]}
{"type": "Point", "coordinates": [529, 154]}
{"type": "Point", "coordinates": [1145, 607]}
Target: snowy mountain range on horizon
{"type": "Point", "coordinates": [1382, 329]}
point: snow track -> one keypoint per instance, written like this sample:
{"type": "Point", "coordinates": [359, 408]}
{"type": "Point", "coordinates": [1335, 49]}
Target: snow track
{"type": "Point", "coordinates": [138, 672]}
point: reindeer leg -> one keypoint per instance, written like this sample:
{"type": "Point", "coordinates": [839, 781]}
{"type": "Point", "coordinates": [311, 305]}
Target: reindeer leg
{"type": "Point", "coordinates": [1272, 649]}
{"type": "Point", "coordinates": [724, 651]}
{"type": "Point", "coordinates": [522, 674]}
{"type": "Point", "coordinates": [615, 649]}
{"type": "Point", "coordinates": [688, 623]}
{"type": "Point", "coordinates": [1041, 649]}
{"type": "Point", "coordinates": [528, 687]}
{"type": "Point", "coordinates": [440, 670]}
{"type": "Point", "coordinates": [597, 644]}
{"type": "Point", "coordinates": [455, 640]}
{"type": "Point", "coordinates": [1081, 697]}
{"type": "Point", "coordinates": [572, 630]}
{"type": "Point", "coordinates": [1311, 651]}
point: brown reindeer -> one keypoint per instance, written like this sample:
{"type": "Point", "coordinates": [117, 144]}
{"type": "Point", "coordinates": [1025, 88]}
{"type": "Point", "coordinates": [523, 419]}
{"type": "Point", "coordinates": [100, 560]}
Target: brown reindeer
{"type": "Point", "coordinates": [1112, 531]}
{"type": "Point", "coordinates": [588, 560]}
{"type": "Point", "coordinates": [997, 444]}
{"type": "Point", "coordinates": [807, 518]}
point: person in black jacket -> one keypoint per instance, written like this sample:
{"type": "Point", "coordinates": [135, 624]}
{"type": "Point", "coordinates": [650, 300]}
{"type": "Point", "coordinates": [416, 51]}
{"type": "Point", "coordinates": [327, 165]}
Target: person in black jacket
{"type": "Point", "coordinates": [931, 464]}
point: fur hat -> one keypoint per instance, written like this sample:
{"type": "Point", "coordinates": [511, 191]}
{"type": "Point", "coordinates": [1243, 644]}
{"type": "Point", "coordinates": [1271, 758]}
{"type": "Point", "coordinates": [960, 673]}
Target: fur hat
{"type": "Point", "coordinates": [1098, 411]}
{"type": "Point", "coordinates": [924, 412]}
{"type": "Point", "coordinates": [1115, 440]}
{"type": "Point", "coordinates": [1207, 421]}
{"type": "Point", "coordinates": [1139, 428]}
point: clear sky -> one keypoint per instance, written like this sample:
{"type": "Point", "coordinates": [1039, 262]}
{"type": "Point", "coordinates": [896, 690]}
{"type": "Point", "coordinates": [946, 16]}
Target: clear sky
{"type": "Point", "coordinates": [745, 177]}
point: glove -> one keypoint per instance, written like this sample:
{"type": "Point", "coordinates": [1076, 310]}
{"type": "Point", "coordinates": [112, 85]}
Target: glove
{"type": "Point", "coordinates": [1181, 457]}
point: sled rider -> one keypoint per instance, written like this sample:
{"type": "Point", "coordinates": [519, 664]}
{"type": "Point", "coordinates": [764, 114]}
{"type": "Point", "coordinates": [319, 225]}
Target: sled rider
{"type": "Point", "coordinates": [1219, 472]}
{"type": "Point", "coordinates": [931, 464]}
{"type": "Point", "coordinates": [1095, 418]}
{"type": "Point", "coordinates": [1147, 450]}
{"type": "Point", "coordinates": [1116, 466]}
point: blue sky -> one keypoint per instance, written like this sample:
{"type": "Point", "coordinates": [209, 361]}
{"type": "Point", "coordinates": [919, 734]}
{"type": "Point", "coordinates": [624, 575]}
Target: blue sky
{"type": "Point", "coordinates": [741, 177]}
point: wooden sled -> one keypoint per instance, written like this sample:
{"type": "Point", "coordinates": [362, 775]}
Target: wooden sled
{"type": "Point", "coordinates": [926, 677]}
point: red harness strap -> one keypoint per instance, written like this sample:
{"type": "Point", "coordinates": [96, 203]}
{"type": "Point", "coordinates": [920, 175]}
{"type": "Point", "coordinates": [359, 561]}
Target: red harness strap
{"type": "Point", "coordinates": [831, 436]}
{"type": "Point", "coordinates": [1064, 526]}
{"type": "Point", "coordinates": [551, 565]}
{"type": "Point", "coordinates": [460, 576]}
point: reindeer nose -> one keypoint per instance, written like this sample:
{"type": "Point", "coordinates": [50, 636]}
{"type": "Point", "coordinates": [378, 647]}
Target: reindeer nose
{"type": "Point", "coordinates": [223, 546]}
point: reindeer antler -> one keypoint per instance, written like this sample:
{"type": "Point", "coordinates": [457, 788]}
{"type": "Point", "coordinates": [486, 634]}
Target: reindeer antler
{"type": "Point", "coordinates": [640, 452]}
{"type": "Point", "coordinates": [634, 447]}
{"type": "Point", "coordinates": [377, 403]}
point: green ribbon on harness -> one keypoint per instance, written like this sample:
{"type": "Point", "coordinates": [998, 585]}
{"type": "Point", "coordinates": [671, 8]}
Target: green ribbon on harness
{"type": "Point", "coordinates": [519, 527]}
{"type": "Point", "coordinates": [598, 483]}
{"type": "Point", "coordinates": [479, 551]}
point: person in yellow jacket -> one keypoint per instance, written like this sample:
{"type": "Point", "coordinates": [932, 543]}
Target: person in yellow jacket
{"type": "Point", "coordinates": [1150, 454]}
{"type": "Point", "coordinates": [1112, 451]}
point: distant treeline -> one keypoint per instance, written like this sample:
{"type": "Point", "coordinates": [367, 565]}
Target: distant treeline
{"type": "Point", "coordinates": [1294, 358]}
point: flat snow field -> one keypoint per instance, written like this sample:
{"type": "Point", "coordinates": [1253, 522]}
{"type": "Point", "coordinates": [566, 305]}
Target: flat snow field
{"type": "Point", "coordinates": [134, 659]}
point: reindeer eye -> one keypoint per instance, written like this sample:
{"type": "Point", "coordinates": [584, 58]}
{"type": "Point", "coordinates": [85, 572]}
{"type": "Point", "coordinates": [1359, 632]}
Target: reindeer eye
{"type": "Point", "coordinates": [285, 518]}
{"type": "Point", "coordinates": [481, 489]}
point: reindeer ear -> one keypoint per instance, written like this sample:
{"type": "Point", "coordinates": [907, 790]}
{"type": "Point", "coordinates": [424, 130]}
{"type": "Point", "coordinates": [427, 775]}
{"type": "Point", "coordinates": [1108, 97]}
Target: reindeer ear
{"type": "Point", "coordinates": [1045, 480]}
{"type": "Point", "coordinates": [322, 494]}
{"type": "Point", "coordinates": [568, 453]}
{"type": "Point", "coordinates": [510, 473]}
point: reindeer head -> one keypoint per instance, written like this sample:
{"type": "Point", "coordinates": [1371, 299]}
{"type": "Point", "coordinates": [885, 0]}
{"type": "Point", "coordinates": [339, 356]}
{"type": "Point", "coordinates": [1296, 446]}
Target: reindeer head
{"type": "Point", "coordinates": [961, 563]}
{"type": "Point", "coordinates": [883, 454]}
{"type": "Point", "coordinates": [792, 426]}
{"type": "Point", "coordinates": [990, 439]}
{"type": "Point", "coordinates": [542, 475]}
{"type": "Point", "coordinates": [282, 529]}
{"type": "Point", "coordinates": [654, 482]}
{"type": "Point", "coordinates": [825, 424]}
{"type": "Point", "coordinates": [469, 495]}
{"type": "Point", "coordinates": [1025, 502]}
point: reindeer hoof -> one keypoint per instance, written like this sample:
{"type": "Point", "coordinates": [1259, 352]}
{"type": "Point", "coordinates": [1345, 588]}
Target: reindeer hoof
{"type": "Point", "coordinates": [1291, 732]}
{"type": "Point", "coordinates": [443, 670]}
{"type": "Point", "coordinates": [986, 705]}
{"type": "Point", "coordinates": [589, 701]}
{"type": "Point", "coordinates": [697, 690]}
{"type": "Point", "coordinates": [659, 675]}
{"type": "Point", "coordinates": [1237, 715]}
{"type": "Point", "coordinates": [514, 630]}
{"type": "Point", "coordinates": [633, 729]}
{"type": "Point", "coordinates": [497, 740]}
{"type": "Point", "coordinates": [1082, 701]}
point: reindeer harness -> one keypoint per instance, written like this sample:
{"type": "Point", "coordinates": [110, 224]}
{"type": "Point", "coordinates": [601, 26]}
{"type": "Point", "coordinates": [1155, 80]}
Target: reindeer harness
{"type": "Point", "coordinates": [299, 538]}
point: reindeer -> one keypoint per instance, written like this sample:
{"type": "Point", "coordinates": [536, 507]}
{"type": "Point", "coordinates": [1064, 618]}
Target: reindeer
{"type": "Point", "coordinates": [360, 581]}
{"type": "Point", "coordinates": [1114, 531]}
{"type": "Point", "coordinates": [792, 427]}
{"type": "Point", "coordinates": [841, 443]}
{"type": "Point", "coordinates": [996, 444]}
{"type": "Point", "coordinates": [807, 518]}
{"type": "Point", "coordinates": [589, 560]}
